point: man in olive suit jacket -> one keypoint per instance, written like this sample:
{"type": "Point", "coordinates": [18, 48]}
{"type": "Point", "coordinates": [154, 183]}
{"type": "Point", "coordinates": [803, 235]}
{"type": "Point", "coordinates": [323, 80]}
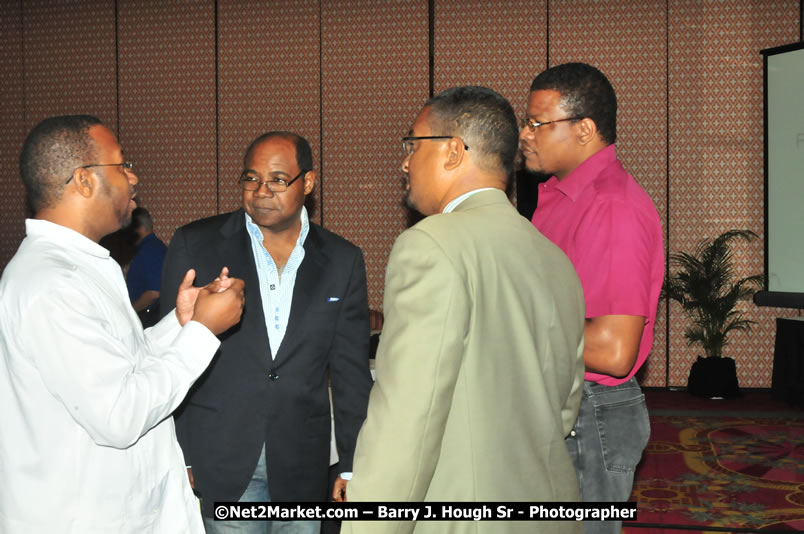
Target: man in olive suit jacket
{"type": "Point", "coordinates": [479, 369]}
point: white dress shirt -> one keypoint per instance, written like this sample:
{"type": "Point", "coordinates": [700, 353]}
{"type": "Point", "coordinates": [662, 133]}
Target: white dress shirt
{"type": "Point", "coordinates": [455, 202]}
{"type": "Point", "coordinates": [87, 443]}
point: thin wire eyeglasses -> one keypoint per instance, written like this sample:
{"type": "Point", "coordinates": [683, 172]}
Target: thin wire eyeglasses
{"type": "Point", "coordinates": [533, 124]}
{"type": "Point", "coordinates": [250, 182]}
{"type": "Point", "coordinates": [127, 166]}
{"type": "Point", "coordinates": [407, 142]}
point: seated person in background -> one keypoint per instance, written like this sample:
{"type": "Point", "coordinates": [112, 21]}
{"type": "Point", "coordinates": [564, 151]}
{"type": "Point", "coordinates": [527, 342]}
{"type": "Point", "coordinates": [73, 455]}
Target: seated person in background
{"type": "Point", "coordinates": [145, 272]}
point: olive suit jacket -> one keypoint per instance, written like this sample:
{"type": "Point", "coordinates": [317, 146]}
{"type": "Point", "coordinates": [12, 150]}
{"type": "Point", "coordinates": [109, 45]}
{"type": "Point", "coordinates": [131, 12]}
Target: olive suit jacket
{"type": "Point", "coordinates": [479, 371]}
{"type": "Point", "coordinates": [248, 398]}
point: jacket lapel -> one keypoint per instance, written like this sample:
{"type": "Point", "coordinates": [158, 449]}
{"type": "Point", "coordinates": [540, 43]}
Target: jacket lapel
{"type": "Point", "coordinates": [305, 290]}
{"type": "Point", "coordinates": [234, 250]}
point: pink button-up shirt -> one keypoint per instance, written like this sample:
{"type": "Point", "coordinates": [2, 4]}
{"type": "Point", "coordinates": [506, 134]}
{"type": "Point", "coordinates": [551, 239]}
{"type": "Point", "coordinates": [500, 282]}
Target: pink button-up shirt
{"type": "Point", "coordinates": [608, 226]}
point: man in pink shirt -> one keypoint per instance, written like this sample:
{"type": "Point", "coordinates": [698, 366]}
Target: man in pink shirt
{"type": "Point", "coordinates": [608, 226]}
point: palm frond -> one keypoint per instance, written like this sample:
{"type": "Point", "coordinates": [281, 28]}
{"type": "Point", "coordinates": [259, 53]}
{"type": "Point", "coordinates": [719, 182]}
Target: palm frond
{"type": "Point", "coordinates": [703, 283]}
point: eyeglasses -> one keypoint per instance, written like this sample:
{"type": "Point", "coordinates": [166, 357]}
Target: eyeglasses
{"type": "Point", "coordinates": [250, 182]}
{"type": "Point", "coordinates": [407, 142]}
{"type": "Point", "coordinates": [533, 124]}
{"type": "Point", "coordinates": [127, 166]}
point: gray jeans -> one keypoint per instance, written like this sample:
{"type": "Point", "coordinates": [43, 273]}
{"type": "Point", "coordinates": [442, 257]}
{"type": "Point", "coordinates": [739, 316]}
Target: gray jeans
{"type": "Point", "coordinates": [606, 445]}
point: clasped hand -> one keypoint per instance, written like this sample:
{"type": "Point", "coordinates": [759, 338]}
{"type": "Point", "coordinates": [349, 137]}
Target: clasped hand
{"type": "Point", "coordinates": [218, 305]}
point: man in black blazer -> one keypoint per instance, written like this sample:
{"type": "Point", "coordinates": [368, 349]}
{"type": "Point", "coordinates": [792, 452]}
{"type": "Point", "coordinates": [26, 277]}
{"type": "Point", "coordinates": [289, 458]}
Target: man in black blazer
{"type": "Point", "coordinates": [256, 426]}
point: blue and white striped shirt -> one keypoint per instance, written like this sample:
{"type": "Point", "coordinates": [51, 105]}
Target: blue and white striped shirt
{"type": "Point", "coordinates": [276, 295]}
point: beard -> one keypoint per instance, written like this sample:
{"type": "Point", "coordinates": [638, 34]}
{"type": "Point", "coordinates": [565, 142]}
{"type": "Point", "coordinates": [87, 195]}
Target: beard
{"type": "Point", "coordinates": [408, 202]}
{"type": "Point", "coordinates": [123, 214]}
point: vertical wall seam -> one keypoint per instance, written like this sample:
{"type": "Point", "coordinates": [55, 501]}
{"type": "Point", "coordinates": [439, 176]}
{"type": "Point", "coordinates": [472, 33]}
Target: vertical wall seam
{"type": "Point", "coordinates": [547, 36]}
{"type": "Point", "coordinates": [24, 84]}
{"type": "Point", "coordinates": [117, 71]}
{"type": "Point", "coordinates": [431, 46]}
{"type": "Point", "coordinates": [217, 120]}
{"type": "Point", "coordinates": [320, 115]}
{"type": "Point", "coordinates": [667, 188]}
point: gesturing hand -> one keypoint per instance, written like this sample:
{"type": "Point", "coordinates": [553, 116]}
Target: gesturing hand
{"type": "Point", "coordinates": [187, 295]}
{"type": "Point", "coordinates": [219, 304]}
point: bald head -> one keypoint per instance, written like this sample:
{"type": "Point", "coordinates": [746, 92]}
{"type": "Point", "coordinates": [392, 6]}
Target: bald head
{"type": "Point", "coordinates": [304, 154]}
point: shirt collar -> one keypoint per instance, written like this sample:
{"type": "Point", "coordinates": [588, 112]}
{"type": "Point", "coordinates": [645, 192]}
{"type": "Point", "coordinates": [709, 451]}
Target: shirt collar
{"type": "Point", "coordinates": [256, 233]}
{"type": "Point", "coordinates": [64, 236]}
{"type": "Point", "coordinates": [455, 202]}
{"type": "Point", "coordinates": [585, 173]}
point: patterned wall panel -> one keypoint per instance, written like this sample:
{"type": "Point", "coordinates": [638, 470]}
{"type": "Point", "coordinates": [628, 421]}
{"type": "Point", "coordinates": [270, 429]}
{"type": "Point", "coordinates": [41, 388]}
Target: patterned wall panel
{"type": "Point", "coordinates": [167, 106]}
{"type": "Point", "coordinates": [506, 59]}
{"type": "Point", "coordinates": [48, 71]}
{"type": "Point", "coordinates": [268, 79]}
{"type": "Point", "coordinates": [70, 64]}
{"type": "Point", "coordinates": [716, 151]}
{"type": "Point", "coordinates": [374, 81]}
{"type": "Point", "coordinates": [626, 40]}
{"type": "Point", "coordinates": [12, 194]}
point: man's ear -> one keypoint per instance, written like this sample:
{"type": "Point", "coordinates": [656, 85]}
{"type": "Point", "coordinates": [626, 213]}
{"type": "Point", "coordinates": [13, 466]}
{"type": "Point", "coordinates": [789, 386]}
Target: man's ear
{"type": "Point", "coordinates": [455, 153]}
{"type": "Point", "coordinates": [85, 182]}
{"type": "Point", "coordinates": [309, 182]}
{"type": "Point", "coordinates": [587, 131]}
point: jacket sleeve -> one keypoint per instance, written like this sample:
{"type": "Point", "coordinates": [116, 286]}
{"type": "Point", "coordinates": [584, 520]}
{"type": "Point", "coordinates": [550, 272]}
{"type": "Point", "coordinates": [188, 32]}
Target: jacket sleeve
{"type": "Point", "coordinates": [175, 266]}
{"type": "Point", "coordinates": [349, 363]}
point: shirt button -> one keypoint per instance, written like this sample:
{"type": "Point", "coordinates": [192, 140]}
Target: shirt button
{"type": "Point", "coordinates": [572, 433]}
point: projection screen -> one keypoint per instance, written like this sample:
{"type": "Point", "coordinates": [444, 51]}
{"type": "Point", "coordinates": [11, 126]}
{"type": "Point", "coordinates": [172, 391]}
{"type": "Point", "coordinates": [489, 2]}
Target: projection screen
{"type": "Point", "coordinates": [784, 177]}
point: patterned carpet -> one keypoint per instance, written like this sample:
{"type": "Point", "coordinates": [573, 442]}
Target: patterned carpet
{"type": "Point", "coordinates": [728, 473]}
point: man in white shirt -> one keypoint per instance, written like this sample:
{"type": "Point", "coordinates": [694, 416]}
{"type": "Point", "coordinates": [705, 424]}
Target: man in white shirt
{"type": "Point", "coordinates": [87, 443]}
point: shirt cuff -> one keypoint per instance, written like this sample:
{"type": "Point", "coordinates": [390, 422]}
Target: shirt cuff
{"type": "Point", "coordinates": [346, 475]}
{"type": "Point", "coordinates": [196, 341]}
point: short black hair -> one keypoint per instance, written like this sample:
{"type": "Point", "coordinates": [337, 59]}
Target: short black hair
{"type": "Point", "coordinates": [585, 92]}
{"type": "Point", "coordinates": [304, 154]}
{"type": "Point", "coordinates": [141, 218]}
{"type": "Point", "coordinates": [485, 121]}
{"type": "Point", "coordinates": [51, 153]}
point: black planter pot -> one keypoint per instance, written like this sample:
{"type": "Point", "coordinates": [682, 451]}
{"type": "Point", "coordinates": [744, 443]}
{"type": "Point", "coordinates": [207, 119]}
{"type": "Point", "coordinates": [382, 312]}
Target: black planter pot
{"type": "Point", "coordinates": [714, 377]}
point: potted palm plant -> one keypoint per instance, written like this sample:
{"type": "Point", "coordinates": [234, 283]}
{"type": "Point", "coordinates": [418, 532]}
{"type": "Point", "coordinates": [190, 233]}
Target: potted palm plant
{"type": "Point", "coordinates": [704, 283]}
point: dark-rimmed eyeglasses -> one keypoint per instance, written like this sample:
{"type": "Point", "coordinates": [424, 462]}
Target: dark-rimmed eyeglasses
{"type": "Point", "coordinates": [533, 124]}
{"type": "Point", "coordinates": [249, 182]}
{"type": "Point", "coordinates": [127, 166]}
{"type": "Point", "coordinates": [407, 142]}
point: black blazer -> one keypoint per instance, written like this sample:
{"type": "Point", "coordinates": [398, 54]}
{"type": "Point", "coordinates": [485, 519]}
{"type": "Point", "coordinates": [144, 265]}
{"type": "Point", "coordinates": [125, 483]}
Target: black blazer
{"type": "Point", "coordinates": [246, 398]}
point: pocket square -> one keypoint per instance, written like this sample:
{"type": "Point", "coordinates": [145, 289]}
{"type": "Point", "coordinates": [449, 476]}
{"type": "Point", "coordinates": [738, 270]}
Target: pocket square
{"type": "Point", "coordinates": [333, 299]}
